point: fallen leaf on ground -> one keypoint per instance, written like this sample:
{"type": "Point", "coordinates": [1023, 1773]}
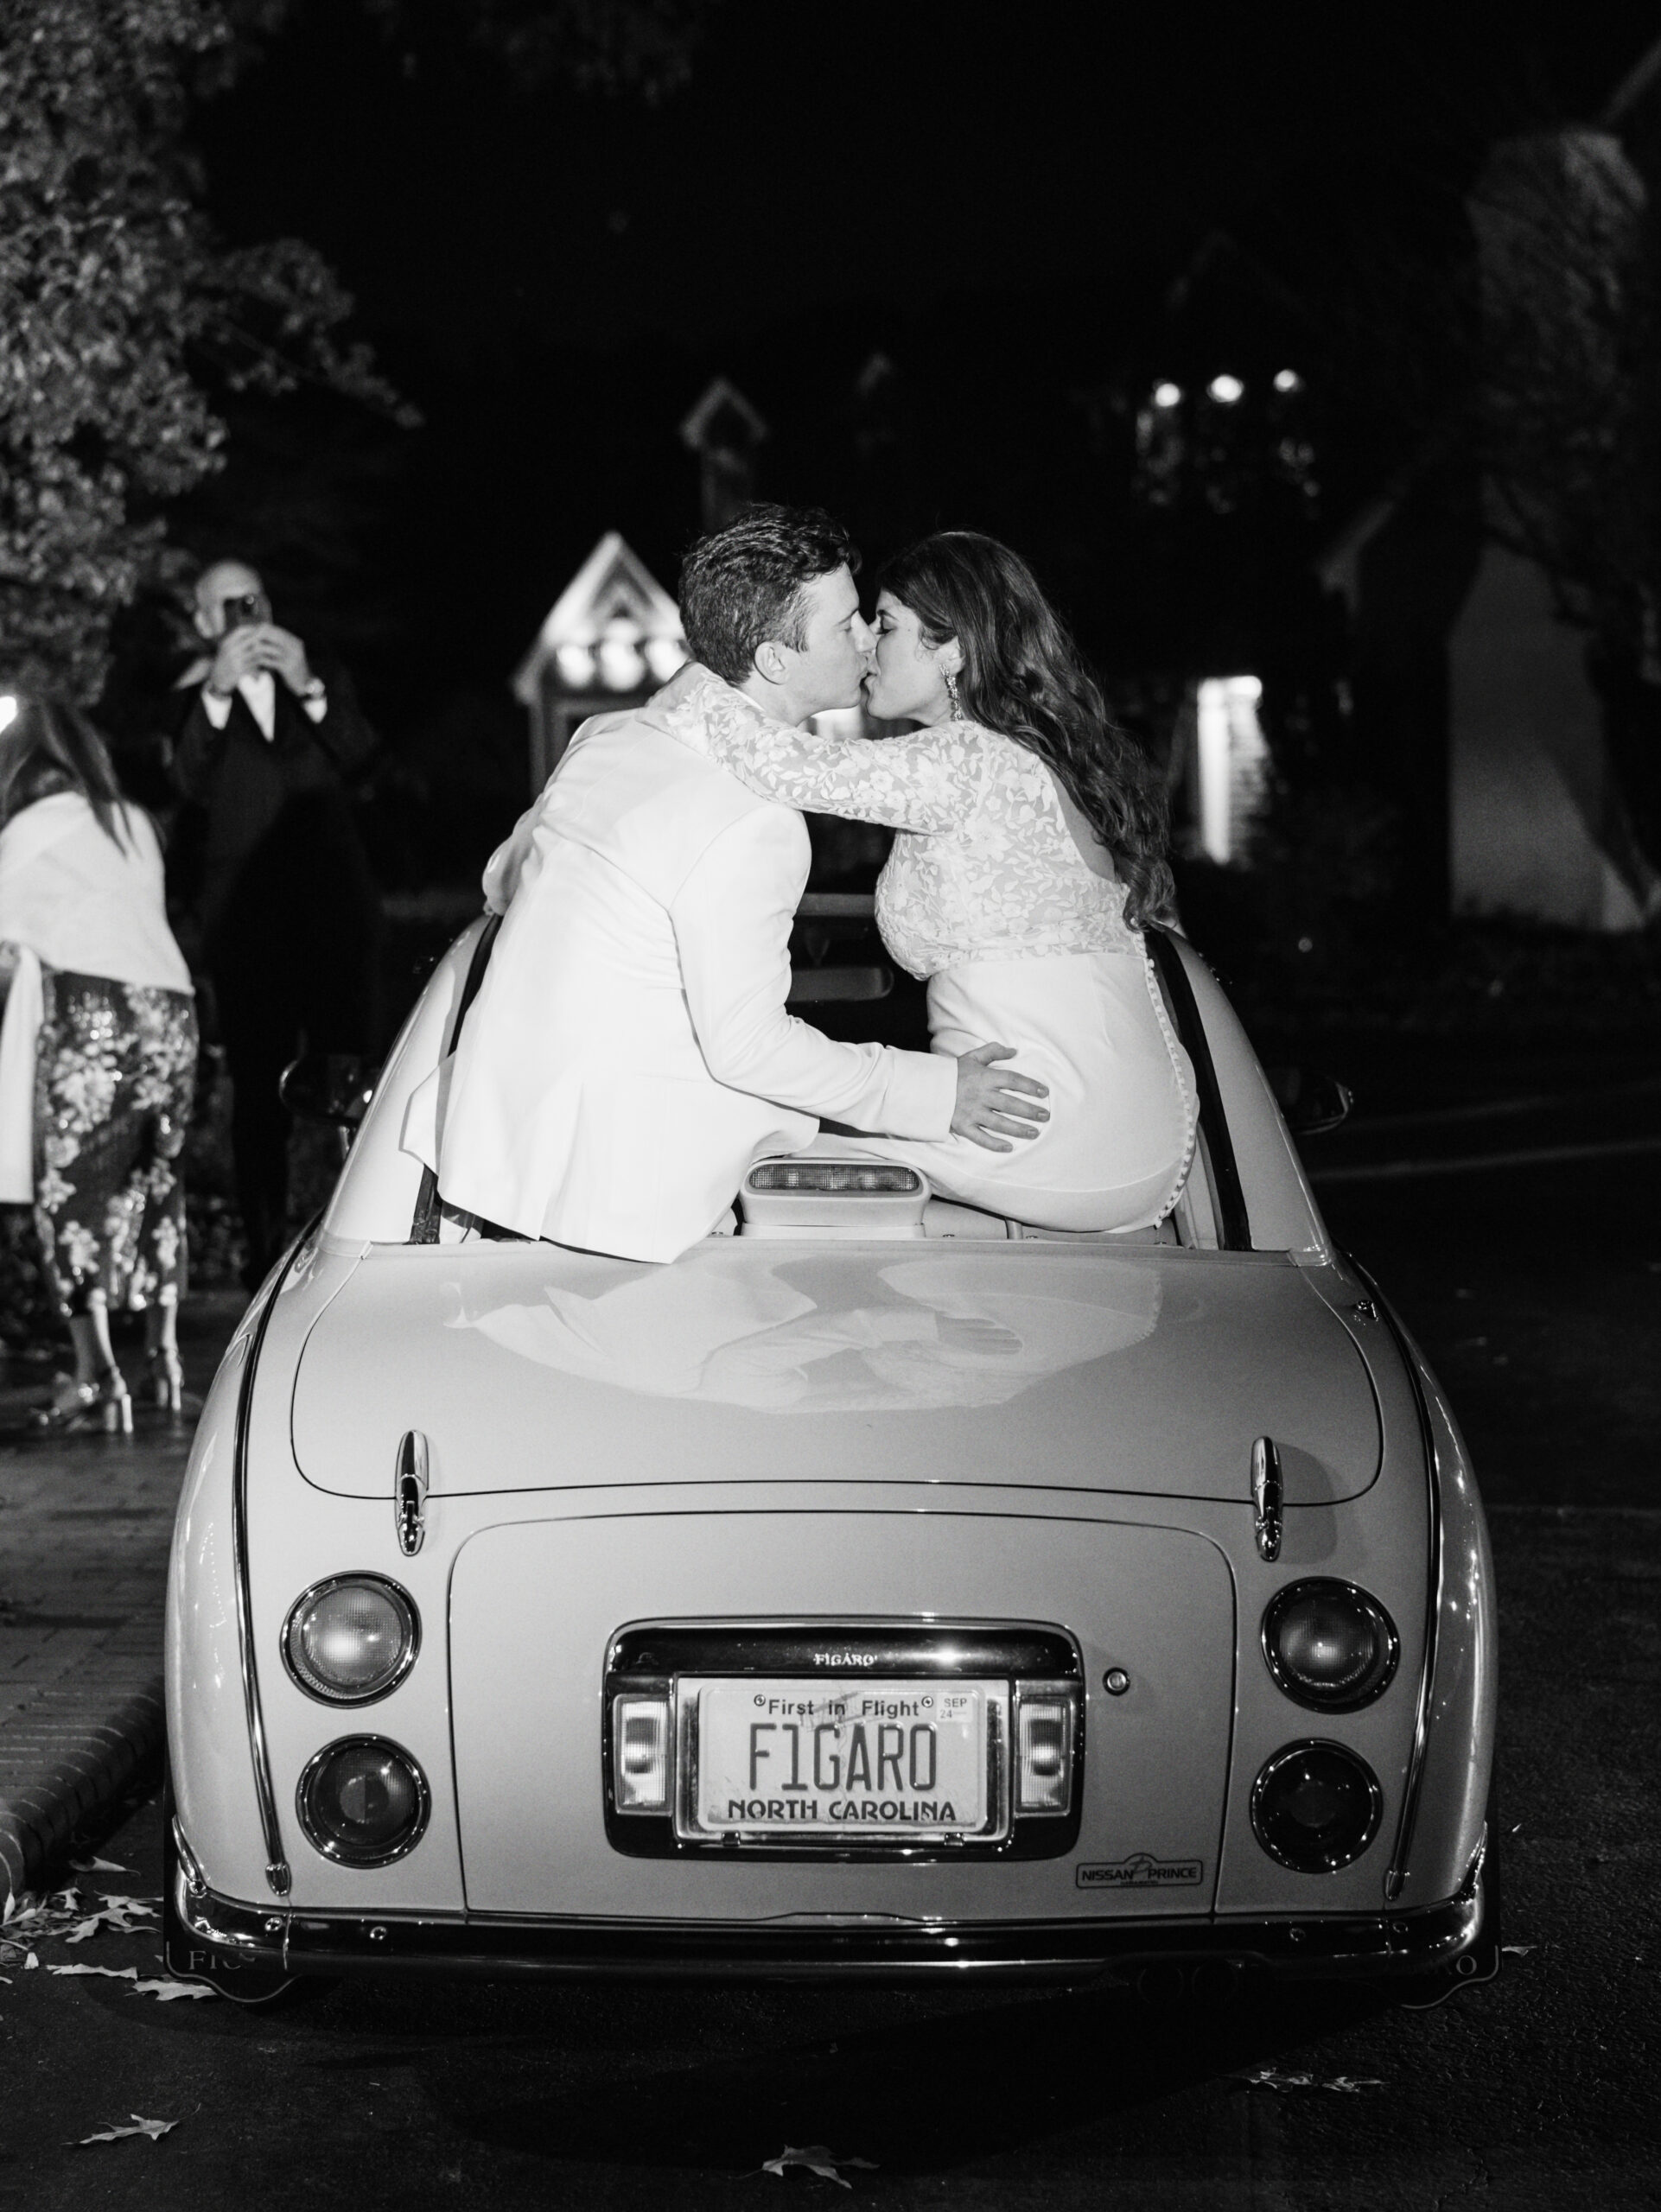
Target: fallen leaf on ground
{"type": "Point", "coordinates": [109, 1974]}
{"type": "Point", "coordinates": [156, 2129]}
{"type": "Point", "coordinates": [121, 1914]}
{"type": "Point", "coordinates": [1517, 1950]}
{"type": "Point", "coordinates": [816, 2160]}
{"type": "Point", "coordinates": [1265, 2077]}
{"type": "Point", "coordinates": [34, 1920]}
{"type": "Point", "coordinates": [98, 1866]}
{"type": "Point", "coordinates": [166, 1990]}
{"type": "Point", "coordinates": [31, 1963]}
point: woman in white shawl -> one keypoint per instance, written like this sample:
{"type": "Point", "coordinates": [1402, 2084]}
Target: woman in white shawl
{"type": "Point", "coordinates": [98, 1056]}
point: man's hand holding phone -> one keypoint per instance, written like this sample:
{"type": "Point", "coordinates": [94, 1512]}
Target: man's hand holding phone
{"type": "Point", "coordinates": [237, 656]}
{"type": "Point", "coordinates": [283, 653]}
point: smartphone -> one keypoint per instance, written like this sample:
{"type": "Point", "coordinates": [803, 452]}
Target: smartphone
{"type": "Point", "coordinates": [246, 607]}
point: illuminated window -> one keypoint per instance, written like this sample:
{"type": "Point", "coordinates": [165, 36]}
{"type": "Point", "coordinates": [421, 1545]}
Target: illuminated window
{"type": "Point", "coordinates": [1233, 765]}
{"type": "Point", "coordinates": [8, 710]}
{"type": "Point", "coordinates": [1225, 390]}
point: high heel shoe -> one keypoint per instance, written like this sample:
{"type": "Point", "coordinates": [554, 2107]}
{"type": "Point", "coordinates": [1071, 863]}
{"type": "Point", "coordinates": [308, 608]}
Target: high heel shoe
{"type": "Point", "coordinates": [84, 1409]}
{"type": "Point", "coordinates": [164, 1381]}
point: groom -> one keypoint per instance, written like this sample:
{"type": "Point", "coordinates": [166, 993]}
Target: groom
{"type": "Point", "coordinates": [628, 1055]}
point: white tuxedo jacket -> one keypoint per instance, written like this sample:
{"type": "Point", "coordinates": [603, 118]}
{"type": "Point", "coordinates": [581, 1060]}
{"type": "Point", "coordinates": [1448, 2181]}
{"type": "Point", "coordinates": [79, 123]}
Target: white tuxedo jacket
{"type": "Point", "coordinates": [628, 1055]}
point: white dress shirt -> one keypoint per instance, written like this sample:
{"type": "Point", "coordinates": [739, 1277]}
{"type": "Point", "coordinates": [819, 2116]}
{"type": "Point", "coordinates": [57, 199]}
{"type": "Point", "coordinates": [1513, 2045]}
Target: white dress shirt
{"type": "Point", "coordinates": [258, 688]}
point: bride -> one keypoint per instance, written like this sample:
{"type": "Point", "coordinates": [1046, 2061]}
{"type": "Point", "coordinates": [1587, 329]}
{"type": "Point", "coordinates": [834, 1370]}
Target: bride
{"type": "Point", "coordinates": [1030, 852]}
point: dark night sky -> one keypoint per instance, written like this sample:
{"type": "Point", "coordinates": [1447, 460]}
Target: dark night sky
{"type": "Point", "coordinates": [996, 198]}
{"type": "Point", "coordinates": [881, 149]}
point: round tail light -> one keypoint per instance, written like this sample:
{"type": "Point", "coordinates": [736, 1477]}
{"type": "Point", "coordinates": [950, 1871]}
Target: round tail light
{"type": "Point", "coordinates": [1330, 1646]}
{"type": "Point", "coordinates": [362, 1802]}
{"type": "Point", "coordinates": [1315, 1807]}
{"type": "Point", "coordinates": [350, 1639]}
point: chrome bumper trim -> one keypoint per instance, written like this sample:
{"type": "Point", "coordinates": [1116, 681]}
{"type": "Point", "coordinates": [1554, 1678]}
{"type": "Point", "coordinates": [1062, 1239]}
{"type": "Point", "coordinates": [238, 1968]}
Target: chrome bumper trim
{"type": "Point", "coordinates": [276, 1863]}
{"type": "Point", "coordinates": [207, 1932]}
{"type": "Point", "coordinates": [1413, 1782]}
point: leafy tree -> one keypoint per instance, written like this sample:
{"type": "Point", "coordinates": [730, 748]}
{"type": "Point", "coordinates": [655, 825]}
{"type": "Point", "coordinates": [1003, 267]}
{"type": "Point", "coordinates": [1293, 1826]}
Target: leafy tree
{"type": "Point", "coordinates": [126, 322]}
{"type": "Point", "coordinates": [1568, 399]}
{"type": "Point", "coordinates": [121, 313]}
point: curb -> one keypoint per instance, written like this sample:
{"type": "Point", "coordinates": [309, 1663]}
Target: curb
{"type": "Point", "coordinates": [85, 1766]}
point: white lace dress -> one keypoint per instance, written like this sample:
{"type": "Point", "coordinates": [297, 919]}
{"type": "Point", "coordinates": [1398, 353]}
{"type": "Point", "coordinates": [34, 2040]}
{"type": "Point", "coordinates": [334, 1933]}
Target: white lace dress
{"type": "Point", "coordinates": [985, 893]}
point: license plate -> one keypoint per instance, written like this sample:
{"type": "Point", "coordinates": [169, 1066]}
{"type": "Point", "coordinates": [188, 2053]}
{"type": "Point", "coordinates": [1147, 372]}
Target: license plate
{"type": "Point", "coordinates": [864, 1761]}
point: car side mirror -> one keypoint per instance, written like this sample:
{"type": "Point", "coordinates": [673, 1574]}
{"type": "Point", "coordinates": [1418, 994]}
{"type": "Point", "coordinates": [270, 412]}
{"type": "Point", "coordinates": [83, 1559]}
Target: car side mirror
{"type": "Point", "coordinates": [334, 1087]}
{"type": "Point", "coordinates": [1310, 1100]}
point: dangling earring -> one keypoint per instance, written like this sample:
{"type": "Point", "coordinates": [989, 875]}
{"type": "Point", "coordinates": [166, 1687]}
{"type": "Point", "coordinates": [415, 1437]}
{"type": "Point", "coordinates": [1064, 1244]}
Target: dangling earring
{"type": "Point", "coordinates": [952, 694]}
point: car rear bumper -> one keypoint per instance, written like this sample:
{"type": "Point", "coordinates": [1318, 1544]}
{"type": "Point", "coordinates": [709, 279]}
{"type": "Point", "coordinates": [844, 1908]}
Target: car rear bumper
{"type": "Point", "coordinates": [214, 1936]}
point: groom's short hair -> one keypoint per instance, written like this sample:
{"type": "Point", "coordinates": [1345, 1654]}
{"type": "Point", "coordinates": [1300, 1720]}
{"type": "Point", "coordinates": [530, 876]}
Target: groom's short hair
{"type": "Point", "coordinates": [742, 585]}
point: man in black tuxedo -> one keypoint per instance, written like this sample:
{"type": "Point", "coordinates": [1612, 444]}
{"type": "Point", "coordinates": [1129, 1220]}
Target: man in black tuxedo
{"type": "Point", "coordinates": [288, 909]}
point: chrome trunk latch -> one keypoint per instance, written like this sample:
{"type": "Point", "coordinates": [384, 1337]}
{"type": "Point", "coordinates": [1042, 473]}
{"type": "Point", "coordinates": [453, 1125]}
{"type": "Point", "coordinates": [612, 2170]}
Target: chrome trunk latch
{"type": "Point", "coordinates": [1267, 1497]}
{"type": "Point", "coordinates": [409, 1492]}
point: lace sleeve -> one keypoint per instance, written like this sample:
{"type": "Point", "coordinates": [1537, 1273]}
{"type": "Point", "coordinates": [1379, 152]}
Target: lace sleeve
{"type": "Point", "coordinates": [929, 782]}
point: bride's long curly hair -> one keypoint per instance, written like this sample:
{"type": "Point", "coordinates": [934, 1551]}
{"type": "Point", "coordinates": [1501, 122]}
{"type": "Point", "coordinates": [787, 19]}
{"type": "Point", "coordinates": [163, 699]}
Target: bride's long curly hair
{"type": "Point", "coordinates": [1023, 676]}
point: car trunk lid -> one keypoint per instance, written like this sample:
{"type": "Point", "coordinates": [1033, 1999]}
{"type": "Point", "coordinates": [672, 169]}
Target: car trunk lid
{"type": "Point", "coordinates": [535, 1604]}
{"type": "Point", "coordinates": [526, 1367]}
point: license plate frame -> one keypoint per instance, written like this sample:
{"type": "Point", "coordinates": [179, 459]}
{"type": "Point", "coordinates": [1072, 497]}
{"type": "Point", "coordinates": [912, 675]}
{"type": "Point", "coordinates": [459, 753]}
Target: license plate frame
{"type": "Point", "coordinates": [871, 1702]}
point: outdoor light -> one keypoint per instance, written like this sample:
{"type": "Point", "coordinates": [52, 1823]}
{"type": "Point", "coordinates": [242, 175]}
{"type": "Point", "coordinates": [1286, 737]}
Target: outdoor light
{"type": "Point", "coordinates": [621, 668]}
{"type": "Point", "coordinates": [576, 665]}
{"type": "Point", "coordinates": [1287, 380]}
{"type": "Point", "coordinates": [1225, 390]}
{"type": "Point", "coordinates": [664, 656]}
{"type": "Point", "coordinates": [1168, 395]}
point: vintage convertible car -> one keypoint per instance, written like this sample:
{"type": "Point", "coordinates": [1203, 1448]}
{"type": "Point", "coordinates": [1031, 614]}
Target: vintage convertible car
{"type": "Point", "coordinates": [882, 1589]}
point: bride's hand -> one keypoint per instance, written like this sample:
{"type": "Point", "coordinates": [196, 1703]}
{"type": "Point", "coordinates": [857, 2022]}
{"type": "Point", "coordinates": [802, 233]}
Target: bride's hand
{"type": "Point", "coordinates": [993, 1103]}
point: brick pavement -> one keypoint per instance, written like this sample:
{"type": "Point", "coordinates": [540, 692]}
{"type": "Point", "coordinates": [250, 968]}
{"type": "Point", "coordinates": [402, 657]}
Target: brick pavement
{"type": "Point", "coordinates": [85, 1527]}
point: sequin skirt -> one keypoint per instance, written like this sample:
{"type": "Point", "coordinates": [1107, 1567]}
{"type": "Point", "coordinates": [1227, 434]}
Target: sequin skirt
{"type": "Point", "coordinates": [114, 1074]}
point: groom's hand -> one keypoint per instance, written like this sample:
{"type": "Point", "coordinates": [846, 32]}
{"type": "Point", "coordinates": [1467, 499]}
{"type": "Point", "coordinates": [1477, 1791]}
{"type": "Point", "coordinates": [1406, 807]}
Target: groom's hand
{"type": "Point", "coordinates": [993, 1103]}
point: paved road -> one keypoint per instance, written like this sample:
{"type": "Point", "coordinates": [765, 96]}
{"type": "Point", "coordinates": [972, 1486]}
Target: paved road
{"type": "Point", "coordinates": [1537, 1290]}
